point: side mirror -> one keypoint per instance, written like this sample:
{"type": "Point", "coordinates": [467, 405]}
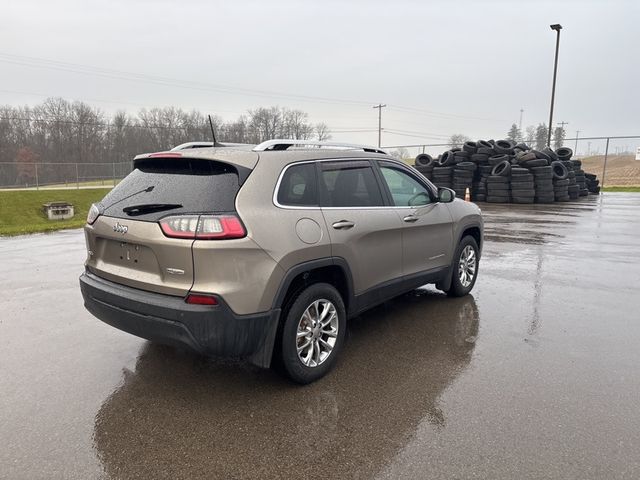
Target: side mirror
{"type": "Point", "coordinates": [446, 195]}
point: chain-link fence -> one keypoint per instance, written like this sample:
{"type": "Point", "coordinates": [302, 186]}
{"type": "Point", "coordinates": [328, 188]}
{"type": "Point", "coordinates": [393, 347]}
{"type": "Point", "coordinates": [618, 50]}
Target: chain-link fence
{"type": "Point", "coordinates": [36, 175]}
{"type": "Point", "coordinates": [611, 158]}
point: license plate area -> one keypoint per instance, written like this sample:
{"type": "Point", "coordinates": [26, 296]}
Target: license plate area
{"type": "Point", "coordinates": [129, 252]}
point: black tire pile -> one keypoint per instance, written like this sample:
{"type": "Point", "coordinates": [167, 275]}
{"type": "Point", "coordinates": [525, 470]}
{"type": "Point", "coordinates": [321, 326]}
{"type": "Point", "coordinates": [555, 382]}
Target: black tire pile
{"type": "Point", "coordinates": [503, 171]}
{"type": "Point", "coordinates": [592, 183]}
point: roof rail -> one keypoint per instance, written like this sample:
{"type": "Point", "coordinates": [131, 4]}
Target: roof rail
{"type": "Point", "coordinates": [284, 144]}
{"type": "Point", "coordinates": [190, 145]}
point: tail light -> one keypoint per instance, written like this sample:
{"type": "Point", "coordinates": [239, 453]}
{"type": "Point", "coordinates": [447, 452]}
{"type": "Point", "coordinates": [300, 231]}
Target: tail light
{"type": "Point", "coordinates": [94, 213]}
{"type": "Point", "coordinates": [203, 227]}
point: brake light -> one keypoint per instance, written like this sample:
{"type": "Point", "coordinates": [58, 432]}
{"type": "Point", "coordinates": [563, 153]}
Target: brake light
{"type": "Point", "coordinates": [198, 299]}
{"type": "Point", "coordinates": [203, 227]}
{"type": "Point", "coordinates": [165, 155]}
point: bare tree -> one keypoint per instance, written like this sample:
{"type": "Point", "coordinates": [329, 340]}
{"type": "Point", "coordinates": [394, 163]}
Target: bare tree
{"type": "Point", "coordinates": [457, 139]}
{"type": "Point", "coordinates": [61, 132]}
{"type": "Point", "coordinates": [322, 132]}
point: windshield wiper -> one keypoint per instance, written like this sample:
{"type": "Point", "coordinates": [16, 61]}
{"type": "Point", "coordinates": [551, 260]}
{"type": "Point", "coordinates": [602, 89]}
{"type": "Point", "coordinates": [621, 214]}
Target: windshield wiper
{"type": "Point", "coordinates": [149, 207]}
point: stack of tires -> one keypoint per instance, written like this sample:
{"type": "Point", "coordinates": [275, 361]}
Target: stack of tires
{"type": "Point", "coordinates": [463, 178]}
{"type": "Point", "coordinates": [499, 183]}
{"type": "Point", "coordinates": [443, 171]}
{"type": "Point", "coordinates": [581, 179]}
{"type": "Point", "coordinates": [499, 171]}
{"type": "Point", "coordinates": [592, 182]}
{"type": "Point", "coordinates": [479, 190]}
{"type": "Point", "coordinates": [560, 182]}
{"type": "Point", "coordinates": [543, 183]}
{"type": "Point", "coordinates": [425, 163]}
{"type": "Point", "coordinates": [522, 185]}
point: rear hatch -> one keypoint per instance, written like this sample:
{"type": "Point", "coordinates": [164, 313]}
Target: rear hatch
{"type": "Point", "coordinates": [126, 243]}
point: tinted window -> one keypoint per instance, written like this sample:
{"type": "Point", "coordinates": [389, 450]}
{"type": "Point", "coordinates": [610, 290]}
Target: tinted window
{"type": "Point", "coordinates": [352, 185]}
{"type": "Point", "coordinates": [298, 186]}
{"type": "Point", "coordinates": [199, 186]}
{"type": "Point", "coordinates": [405, 190]}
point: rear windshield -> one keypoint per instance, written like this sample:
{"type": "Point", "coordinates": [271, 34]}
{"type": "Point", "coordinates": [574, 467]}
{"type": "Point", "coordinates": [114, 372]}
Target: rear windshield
{"type": "Point", "coordinates": [159, 187]}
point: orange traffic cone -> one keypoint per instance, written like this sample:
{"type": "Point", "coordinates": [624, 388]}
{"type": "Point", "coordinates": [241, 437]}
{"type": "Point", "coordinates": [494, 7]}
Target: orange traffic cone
{"type": "Point", "coordinates": [467, 195]}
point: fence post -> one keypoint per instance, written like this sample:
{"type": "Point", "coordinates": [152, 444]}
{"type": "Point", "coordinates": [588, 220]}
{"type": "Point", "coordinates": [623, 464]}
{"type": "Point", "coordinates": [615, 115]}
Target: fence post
{"type": "Point", "coordinates": [114, 173]}
{"type": "Point", "coordinates": [604, 167]}
{"type": "Point", "coordinates": [77, 178]}
{"type": "Point", "coordinates": [37, 183]}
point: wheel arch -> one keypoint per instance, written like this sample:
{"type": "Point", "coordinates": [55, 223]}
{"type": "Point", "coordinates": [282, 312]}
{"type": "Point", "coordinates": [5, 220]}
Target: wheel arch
{"type": "Point", "coordinates": [332, 270]}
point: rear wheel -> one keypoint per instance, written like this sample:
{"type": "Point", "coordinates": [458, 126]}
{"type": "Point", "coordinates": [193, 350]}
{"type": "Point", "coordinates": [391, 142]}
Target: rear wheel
{"type": "Point", "coordinates": [313, 333]}
{"type": "Point", "coordinates": [465, 267]}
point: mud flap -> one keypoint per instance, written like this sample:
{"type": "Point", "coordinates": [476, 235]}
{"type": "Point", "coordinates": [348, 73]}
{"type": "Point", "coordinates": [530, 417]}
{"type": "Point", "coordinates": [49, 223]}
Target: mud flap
{"type": "Point", "coordinates": [262, 356]}
{"type": "Point", "coordinates": [445, 283]}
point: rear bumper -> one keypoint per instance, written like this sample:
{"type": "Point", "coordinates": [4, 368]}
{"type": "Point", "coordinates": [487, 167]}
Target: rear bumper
{"type": "Point", "coordinates": [210, 330]}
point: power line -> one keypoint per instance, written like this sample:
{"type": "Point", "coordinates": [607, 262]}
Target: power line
{"type": "Point", "coordinates": [36, 62]}
{"type": "Point", "coordinates": [83, 69]}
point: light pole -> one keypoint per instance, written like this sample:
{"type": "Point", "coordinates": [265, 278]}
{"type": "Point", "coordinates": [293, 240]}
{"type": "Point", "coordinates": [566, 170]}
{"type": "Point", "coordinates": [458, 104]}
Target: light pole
{"type": "Point", "coordinates": [557, 27]}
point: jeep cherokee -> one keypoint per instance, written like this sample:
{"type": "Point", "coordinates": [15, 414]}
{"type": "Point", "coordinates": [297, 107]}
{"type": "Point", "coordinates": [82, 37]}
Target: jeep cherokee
{"type": "Point", "coordinates": [264, 252]}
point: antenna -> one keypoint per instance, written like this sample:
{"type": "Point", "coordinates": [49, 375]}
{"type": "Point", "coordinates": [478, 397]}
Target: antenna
{"type": "Point", "coordinates": [213, 133]}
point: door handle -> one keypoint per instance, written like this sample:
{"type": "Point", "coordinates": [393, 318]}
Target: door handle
{"type": "Point", "coordinates": [343, 225]}
{"type": "Point", "coordinates": [411, 218]}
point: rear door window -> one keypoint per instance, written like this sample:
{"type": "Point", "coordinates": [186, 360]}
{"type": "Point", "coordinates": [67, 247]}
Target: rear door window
{"type": "Point", "coordinates": [299, 186]}
{"type": "Point", "coordinates": [165, 186]}
{"type": "Point", "coordinates": [349, 184]}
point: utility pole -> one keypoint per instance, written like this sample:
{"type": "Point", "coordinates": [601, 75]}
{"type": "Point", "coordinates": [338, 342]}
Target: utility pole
{"type": "Point", "coordinates": [380, 106]}
{"type": "Point", "coordinates": [520, 124]}
{"type": "Point", "coordinates": [557, 27]}
{"type": "Point", "coordinates": [575, 150]}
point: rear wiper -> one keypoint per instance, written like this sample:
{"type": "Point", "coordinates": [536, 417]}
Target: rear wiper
{"type": "Point", "coordinates": [149, 207]}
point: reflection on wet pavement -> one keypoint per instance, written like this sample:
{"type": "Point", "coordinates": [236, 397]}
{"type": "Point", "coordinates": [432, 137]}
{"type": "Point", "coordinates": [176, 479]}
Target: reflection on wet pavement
{"type": "Point", "coordinates": [224, 418]}
{"type": "Point", "coordinates": [534, 375]}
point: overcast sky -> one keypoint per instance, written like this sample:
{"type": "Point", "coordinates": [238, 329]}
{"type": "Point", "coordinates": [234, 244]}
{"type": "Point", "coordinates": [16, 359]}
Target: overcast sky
{"type": "Point", "coordinates": [442, 67]}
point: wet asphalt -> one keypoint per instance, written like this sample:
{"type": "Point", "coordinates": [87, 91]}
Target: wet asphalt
{"type": "Point", "coordinates": [534, 375]}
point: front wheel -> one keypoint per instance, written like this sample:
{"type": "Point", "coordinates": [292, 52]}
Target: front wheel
{"type": "Point", "coordinates": [465, 267]}
{"type": "Point", "coordinates": [313, 333]}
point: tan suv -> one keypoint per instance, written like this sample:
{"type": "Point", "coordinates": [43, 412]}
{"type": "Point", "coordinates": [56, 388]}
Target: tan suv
{"type": "Point", "coordinates": [264, 252]}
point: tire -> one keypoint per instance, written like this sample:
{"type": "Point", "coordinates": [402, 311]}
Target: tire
{"type": "Point", "coordinates": [550, 153]}
{"type": "Point", "coordinates": [443, 170]}
{"type": "Point", "coordinates": [560, 172]}
{"type": "Point", "coordinates": [564, 153]}
{"type": "Point", "coordinates": [502, 169]}
{"type": "Point", "coordinates": [497, 179]}
{"type": "Point", "coordinates": [540, 154]}
{"type": "Point", "coordinates": [479, 158]}
{"type": "Point", "coordinates": [470, 147]}
{"type": "Point", "coordinates": [561, 182]}
{"type": "Point", "coordinates": [519, 171]}
{"type": "Point", "coordinates": [472, 167]}
{"type": "Point", "coordinates": [424, 160]}
{"type": "Point", "coordinates": [503, 146]}
{"type": "Point", "coordinates": [525, 156]}
{"type": "Point", "coordinates": [459, 287]}
{"type": "Point", "coordinates": [535, 163]}
{"type": "Point", "coordinates": [523, 192]}
{"type": "Point", "coordinates": [293, 365]}
{"type": "Point", "coordinates": [486, 151]}
{"type": "Point", "coordinates": [522, 185]}
{"type": "Point", "coordinates": [447, 159]}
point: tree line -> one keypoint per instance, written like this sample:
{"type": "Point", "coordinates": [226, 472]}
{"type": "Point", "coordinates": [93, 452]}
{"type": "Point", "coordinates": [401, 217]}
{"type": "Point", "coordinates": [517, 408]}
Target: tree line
{"type": "Point", "coordinates": [58, 134]}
